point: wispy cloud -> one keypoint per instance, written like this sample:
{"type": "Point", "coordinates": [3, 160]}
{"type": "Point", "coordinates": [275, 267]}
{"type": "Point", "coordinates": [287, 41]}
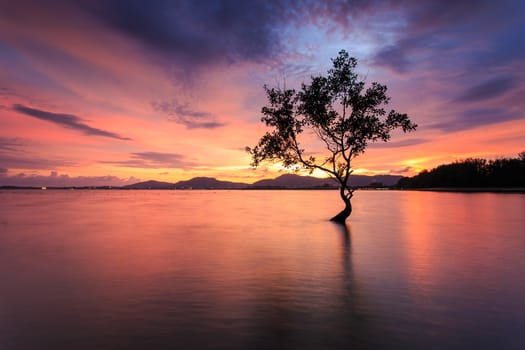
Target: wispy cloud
{"type": "Point", "coordinates": [10, 144]}
{"type": "Point", "coordinates": [404, 170]}
{"type": "Point", "coordinates": [447, 28]}
{"type": "Point", "coordinates": [15, 153]}
{"type": "Point", "coordinates": [476, 117]}
{"type": "Point", "coordinates": [30, 162]}
{"type": "Point", "coordinates": [153, 160]}
{"type": "Point", "coordinates": [158, 157]}
{"type": "Point", "coordinates": [6, 92]}
{"type": "Point", "coordinates": [489, 89]}
{"type": "Point", "coordinates": [185, 115]}
{"type": "Point", "coordinates": [398, 144]}
{"type": "Point", "coordinates": [66, 120]}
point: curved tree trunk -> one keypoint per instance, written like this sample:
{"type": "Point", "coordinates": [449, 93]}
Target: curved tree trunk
{"type": "Point", "coordinates": [341, 217]}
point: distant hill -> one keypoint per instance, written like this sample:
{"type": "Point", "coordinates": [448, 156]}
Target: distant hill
{"type": "Point", "coordinates": [195, 183]}
{"type": "Point", "coordinates": [297, 181]}
{"type": "Point", "coordinates": [291, 181]}
{"type": "Point", "coordinates": [209, 183]}
{"type": "Point", "coordinates": [284, 181]}
{"type": "Point", "coordinates": [152, 184]}
{"type": "Point", "coordinates": [294, 181]}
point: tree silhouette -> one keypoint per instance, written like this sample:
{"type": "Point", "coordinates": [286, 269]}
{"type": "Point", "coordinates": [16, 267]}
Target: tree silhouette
{"type": "Point", "coordinates": [471, 173]}
{"type": "Point", "coordinates": [344, 116]}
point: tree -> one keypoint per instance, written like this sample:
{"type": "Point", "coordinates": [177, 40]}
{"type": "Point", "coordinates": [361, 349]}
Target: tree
{"type": "Point", "coordinates": [344, 116]}
{"type": "Point", "coordinates": [471, 173]}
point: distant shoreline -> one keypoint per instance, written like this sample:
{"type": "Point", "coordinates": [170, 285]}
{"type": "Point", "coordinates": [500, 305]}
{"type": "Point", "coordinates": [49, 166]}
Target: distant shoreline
{"type": "Point", "coordinates": [104, 188]}
{"type": "Point", "coordinates": [430, 189]}
{"type": "Point", "coordinates": [469, 189]}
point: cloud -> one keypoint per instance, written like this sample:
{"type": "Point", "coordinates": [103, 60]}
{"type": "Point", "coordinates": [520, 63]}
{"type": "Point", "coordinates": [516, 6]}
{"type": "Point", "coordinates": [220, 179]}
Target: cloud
{"type": "Point", "coordinates": [191, 36]}
{"type": "Point", "coordinates": [504, 139]}
{"type": "Point", "coordinates": [459, 52]}
{"type": "Point", "coordinates": [196, 34]}
{"type": "Point", "coordinates": [15, 154]}
{"type": "Point", "coordinates": [3, 171]}
{"type": "Point", "coordinates": [199, 32]}
{"type": "Point", "coordinates": [7, 92]}
{"type": "Point", "coordinates": [183, 114]}
{"type": "Point", "coordinates": [455, 34]}
{"type": "Point", "coordinates": [153, 160]}
{"type": "Point", "coordinates": [66, 120]}
{"type": "Point", "coordinates": [489, 89]}
{"type": "Point", "coordinates": [158, 157]}
{"type": "Point", "coordinates": [398, 144]}
{"type": "Point", "coordinates": [56, 180]}
{"type": "Point", "coordinates": [10, 144]}
{"type": "Point", "coordinates": [29, 162]}
{"type": "Point", "coordinates": [476, 117]}
{"type": "Point", "coordinates": [404, 170]}
{"type": "Point", "coordinates": [394, 57]}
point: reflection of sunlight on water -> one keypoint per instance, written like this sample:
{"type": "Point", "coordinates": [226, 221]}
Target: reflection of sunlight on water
{"type": "Point", "coordinates": [263, 269]}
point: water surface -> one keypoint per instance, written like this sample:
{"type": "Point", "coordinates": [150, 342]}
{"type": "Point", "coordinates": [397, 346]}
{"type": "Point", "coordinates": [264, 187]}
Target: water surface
{"type": "Point", "coordinates": [261, 270]}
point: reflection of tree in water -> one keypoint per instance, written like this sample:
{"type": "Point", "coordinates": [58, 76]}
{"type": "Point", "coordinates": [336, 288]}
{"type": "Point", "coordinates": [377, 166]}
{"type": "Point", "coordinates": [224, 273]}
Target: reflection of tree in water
{"type": "Point", "coordinates": [353, 324]}
{"type": "Point", "coordinates": [336, 316]}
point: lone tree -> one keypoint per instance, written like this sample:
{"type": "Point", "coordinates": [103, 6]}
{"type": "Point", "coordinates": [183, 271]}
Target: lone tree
{"type": "Point", "coordinates": [344, 115]}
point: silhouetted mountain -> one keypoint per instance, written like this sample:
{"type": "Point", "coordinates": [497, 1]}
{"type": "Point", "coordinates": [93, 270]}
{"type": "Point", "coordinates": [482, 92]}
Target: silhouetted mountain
{"type": "Point", "coordinates": [294, 181]}
{"type": "Point", "coordinates": [209, 183]}
{"type": "Point", "coordinates": [283, 181]}
{"type": "Point", "coordinates": [297, 181]}
{"type": "Point", "coordinates": [152, 184]}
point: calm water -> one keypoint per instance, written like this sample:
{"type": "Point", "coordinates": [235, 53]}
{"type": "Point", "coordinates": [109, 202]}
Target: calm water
{"type": "Point", "coordinates": [261, 270]}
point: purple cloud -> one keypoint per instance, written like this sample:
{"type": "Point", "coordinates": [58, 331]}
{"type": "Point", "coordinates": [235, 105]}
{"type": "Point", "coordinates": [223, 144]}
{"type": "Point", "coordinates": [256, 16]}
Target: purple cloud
{"type": "Point", "coordinates": [30, 162]}
{"type": "Point", "coordinates": [472, 118]}
{"type": "Point", "coordinates": [183, 114]}
{"type": "Point", "coordinates": [199, 32]}
{"type": "Point", "coordinates": [399, 144]}
{"type": "Point", "coordinates": [489, 89]}
{"type": "Point", "coordinates": [10, 144]}
{"type": "Point", "coordinates": [153, 160]}
{"type": "Point", "coordinates": [456, 34]}
{"type": "Point", "coordinates": [66, 120]}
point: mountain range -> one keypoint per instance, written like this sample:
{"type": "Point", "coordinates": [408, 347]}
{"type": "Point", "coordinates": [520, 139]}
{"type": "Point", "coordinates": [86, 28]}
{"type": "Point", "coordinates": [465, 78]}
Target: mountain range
{"type": "Point", "coordinates": [286, 181]}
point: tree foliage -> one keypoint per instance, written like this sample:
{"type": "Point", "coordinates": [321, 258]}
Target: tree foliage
{"type": "Point", "coordinates": [344, 114]}
{"type": "Point", "coordinates": [472, 172]}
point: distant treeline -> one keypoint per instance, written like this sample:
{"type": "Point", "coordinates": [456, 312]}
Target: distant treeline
{"type": "Point", "coordinates": [472, 172]}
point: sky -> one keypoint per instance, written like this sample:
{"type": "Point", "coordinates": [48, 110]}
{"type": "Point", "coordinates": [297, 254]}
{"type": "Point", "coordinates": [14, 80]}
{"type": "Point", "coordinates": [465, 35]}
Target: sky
{"type": "Point", "coordinates": [112, 92]}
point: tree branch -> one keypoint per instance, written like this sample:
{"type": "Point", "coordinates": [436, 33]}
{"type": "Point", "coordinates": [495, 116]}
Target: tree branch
{"type": "Point", "coordinates": [308, 164]}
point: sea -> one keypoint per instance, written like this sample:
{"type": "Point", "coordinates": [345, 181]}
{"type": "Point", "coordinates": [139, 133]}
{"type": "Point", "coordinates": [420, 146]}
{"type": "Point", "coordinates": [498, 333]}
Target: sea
{"type": "Point", "coordinates": [257, 269]}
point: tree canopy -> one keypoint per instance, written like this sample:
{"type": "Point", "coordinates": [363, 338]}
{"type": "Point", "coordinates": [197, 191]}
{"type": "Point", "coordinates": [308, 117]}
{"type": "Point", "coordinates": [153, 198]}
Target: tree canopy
{"type": "Point", "coordinates": [341, 110]}
{"type": "Point", "coordinates": [472, 172]}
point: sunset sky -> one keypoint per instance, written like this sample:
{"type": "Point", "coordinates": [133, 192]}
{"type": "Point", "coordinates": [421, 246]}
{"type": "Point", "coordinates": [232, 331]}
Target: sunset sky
{"type": "Point", "coordinates": [113, 92]}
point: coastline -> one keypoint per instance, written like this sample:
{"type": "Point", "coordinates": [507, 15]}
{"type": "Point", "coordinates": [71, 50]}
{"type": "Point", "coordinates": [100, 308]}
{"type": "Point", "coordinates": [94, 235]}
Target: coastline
{"type": "Point", "coordinates": [429, 189]}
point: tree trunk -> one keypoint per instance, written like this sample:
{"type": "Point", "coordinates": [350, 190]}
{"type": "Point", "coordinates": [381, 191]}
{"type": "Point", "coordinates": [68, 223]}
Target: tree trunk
{"type": "Point", "coordinates": [341, 217]}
